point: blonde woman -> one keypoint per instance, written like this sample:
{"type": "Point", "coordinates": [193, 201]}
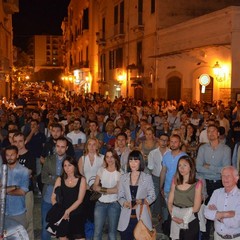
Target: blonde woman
{"type": "Point", "coordinates": [88, 166]}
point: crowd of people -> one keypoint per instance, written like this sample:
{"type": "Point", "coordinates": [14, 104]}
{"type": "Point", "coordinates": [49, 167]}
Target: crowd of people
{"type": "Point", "coordinates": [180, 158]}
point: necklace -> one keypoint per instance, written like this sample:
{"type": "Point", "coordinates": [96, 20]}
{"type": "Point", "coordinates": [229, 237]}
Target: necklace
{"type": "Point", "coordinates": [70, 180]}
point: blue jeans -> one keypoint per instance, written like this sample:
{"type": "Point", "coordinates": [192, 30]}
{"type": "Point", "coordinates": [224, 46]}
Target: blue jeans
{"type": "Point", "coordinates": [45, 207]}
{"type": "Point", "coordinates": [103, 211]}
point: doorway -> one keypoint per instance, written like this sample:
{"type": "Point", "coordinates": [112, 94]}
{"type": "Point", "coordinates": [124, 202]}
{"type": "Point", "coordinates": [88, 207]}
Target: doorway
{"type": "Point", "coordinates": [174, 88]}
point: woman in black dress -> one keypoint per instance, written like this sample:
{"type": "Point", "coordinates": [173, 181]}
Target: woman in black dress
{"type": "Point", "coordinates": [73, 188]}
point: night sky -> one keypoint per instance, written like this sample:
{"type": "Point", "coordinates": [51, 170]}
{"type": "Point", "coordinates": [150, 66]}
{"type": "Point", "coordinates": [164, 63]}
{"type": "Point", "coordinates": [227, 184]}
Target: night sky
{"type": "Point", "coordinates": [38, 17]}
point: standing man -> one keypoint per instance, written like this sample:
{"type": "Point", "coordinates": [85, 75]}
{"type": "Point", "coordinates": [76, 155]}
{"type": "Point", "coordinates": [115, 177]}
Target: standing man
{"type": "Point", "coordinates": [49, 147]}
{"type": "Point", "coordinates": [27, 159]}
{"type": "Point", "coordinates": [224, 206]}
{"type": "Point", "coordinates": [211, 158]}
{"type": "Point", "coordinates": [37, 116]}
{"type": "Point", "coordinates": [155, 158]}
{"type": "Point", "coordinates": [78, 138]}
{"type": "Point", "coordinates": [122, 150]}
{"type": "Point", "coordinates": [95, 133]}
{"type": "Point", "coordinates": [17, 187]}
{"type": "Point", "coordinates": [169, 167]}
{"type": "Point", "coordinates": [52, 169]}
{"type": "Point", "coordinates": [35, 142]}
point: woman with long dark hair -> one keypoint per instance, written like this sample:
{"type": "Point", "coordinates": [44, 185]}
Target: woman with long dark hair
{"type": "Point", "coordinates": [135, 188]}
{"type": "Point", "coordinates": [191, 141]}
{"type": "Point", "coordinates": [72, 188]}
{"type": "Point", "coordinates": [185, 200]}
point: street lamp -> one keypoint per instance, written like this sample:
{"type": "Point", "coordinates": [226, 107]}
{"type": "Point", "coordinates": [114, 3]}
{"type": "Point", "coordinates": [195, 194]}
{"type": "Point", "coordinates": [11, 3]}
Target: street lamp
{"type": "Point", "coordinates": [219, 72]}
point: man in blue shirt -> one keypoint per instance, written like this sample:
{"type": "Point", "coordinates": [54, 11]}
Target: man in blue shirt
{"type": "Point", "coordinates": [52, 168]}
{"type": "Point", "coordinates": [17, 187]}
{"type": "Point", "coordinates": [169, 167]}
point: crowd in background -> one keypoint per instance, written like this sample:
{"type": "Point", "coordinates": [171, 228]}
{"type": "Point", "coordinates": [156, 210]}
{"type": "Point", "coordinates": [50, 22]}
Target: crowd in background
{"type": "Point", "coordinates": [88, 128]}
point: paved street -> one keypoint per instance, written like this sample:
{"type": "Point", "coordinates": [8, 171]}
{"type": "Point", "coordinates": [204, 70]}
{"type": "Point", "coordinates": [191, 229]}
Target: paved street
{"type": "Point", "coordinates": [37, 222]}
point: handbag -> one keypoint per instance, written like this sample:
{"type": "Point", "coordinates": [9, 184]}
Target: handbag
{"type": "Point", "coordinates": [141, 232]}
{"type": "Point", "coordinates": [94, 195]}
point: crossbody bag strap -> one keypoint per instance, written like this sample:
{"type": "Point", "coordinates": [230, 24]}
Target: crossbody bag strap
{"type": "Point", "coordinates": [141, 209]}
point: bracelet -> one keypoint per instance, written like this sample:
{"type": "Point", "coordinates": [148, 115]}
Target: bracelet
{"type": "Point", "coordinates": [103, 190]}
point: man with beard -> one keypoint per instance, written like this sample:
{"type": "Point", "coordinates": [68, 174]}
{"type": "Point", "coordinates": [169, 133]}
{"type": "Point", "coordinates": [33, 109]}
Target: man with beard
{"type": "Point", "coordinates": [49, 147]}
{"type": "Point", "coordinates": [26, 158]}
{"type": "Point", "coordinates": [52, 169]}
{"type": "Point", "coordinates": [77, 137]}
{"type": "Point", "coordinates": [17, 187]}
{"type": "Point", "coordinates": [169, 167]}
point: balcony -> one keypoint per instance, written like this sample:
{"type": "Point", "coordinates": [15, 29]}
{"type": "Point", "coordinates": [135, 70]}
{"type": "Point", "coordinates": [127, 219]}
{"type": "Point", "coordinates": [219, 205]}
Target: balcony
{"type": "Point", "coordinates": [100, 39]}
{"type": "Point", "coordinates": [11, 6]}
{"type": "Point", "coordinates": [138, 28]}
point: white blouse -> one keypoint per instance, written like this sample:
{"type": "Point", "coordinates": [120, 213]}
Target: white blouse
{"type": "Point", "coordinates": [108, 180]}
{"type": "Point", "coordinates": [90, 171]}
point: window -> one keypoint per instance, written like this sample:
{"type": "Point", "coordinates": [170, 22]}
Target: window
{"type": "Point", "coordinates": [87, 54]}
{"type": "Point", "coordinates": [122, 17]}
{"type": "Point", "coordinates": [116, 15]}
{"type": "Point", "coordinates": [119, 58]}
{"type": "Point", "coordinates": [111, 60]}
{"type": "Point", "coordinates": [103, 28]}
{"type": "Point", "coordinates": [103, 67]}
{"type": "Point", "coordinates": [116, 58]}
{"type": "Point", "coordinates": [85, 23]}
{"type": "Point", "coordinates": [152, 6]}
{"type": "Point", "coordinates": [119, 18]}
{"type": "Point", "coordinates": [116, 20]}
{"type": "Point", "coordinates": [140, 12]}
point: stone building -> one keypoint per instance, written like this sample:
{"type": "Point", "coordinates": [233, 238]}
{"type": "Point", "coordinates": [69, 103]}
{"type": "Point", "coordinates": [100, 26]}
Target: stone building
{"type": "Point", "coordinates": [152, 49]}
{"type": "Point", "coordinates": [7, 8]}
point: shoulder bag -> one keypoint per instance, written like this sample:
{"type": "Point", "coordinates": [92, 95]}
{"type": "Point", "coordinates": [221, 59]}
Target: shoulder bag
{"type": "Point", "coordinates": [90, 193]}
{"type": "Point", "coordinates": [141, 232]}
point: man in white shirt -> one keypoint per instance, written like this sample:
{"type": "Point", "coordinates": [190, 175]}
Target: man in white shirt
{"type": "Point", "coordinates": [224, 206]}
{"type": "Point", "coordinates": [122, 150]}
{"type": "Point", "coordinates": [155, 166]}
{"type": "Point", "coordinates": [78, 138]}
{"type": "Point", "coordinates": [174, 120]}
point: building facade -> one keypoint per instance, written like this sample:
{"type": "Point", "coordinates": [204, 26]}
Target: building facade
{"type": "Point", "coordinates": [7, 8]}
{"type": "Point", "coordinates": [150, 49]}
{"type": "Point", "coordinates": [46, 56]}
{"type": "Point", "coordinates": [204, 47]}
{"type": "Point", "coordinates": [80, 48]}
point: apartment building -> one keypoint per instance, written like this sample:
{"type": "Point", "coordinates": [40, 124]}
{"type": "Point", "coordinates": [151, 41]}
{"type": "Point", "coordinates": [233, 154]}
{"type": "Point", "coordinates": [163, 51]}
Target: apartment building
{"type": "Point", "coordinates": [46, 56]}
{"type": "Point", "coordinates": [123, 47]}
{"type": "Point", "coordinates": [7, 8]}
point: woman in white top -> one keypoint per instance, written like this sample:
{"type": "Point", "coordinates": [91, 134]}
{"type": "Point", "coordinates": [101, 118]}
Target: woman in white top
{"type": "Point", "coordinates": [88, 166]}
{"type": "Point", "coordinates": [107, 207]}
{"type": "Point", "coordinates": [91, 161]}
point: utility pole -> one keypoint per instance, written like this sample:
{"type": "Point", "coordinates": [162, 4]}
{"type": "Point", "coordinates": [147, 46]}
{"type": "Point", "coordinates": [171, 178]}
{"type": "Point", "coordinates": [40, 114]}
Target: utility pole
{"type": "Point", "coordinates": [3, 184]}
